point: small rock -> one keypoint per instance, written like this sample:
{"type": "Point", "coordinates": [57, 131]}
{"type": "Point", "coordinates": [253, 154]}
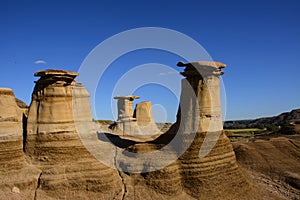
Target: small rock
{"type": "Point", "coordinates": [15, 190]}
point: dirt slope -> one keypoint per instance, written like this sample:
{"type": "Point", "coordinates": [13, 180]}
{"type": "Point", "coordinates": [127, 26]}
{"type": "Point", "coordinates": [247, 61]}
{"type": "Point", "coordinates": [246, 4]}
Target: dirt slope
{"type": "Point", "coordinates": [274, 162]}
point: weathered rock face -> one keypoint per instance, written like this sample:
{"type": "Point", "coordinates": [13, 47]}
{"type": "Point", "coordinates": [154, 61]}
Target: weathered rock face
{"type": "Point", "coordinates": [145, 121]}
{"type": "Point", "coordinates": [52, 142]}
{"type": "Point", "coordinates": [143, 113]}
{"type": "Point", "coordinates": [23, 107]}
{"type": "Point", "coordinates": [10, 131]}
{"type": "Point", "coordinates": [16, 174]}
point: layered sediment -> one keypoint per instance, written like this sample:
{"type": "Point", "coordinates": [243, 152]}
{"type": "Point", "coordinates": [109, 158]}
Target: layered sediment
{"type": "Point", "coordinates": [210, 159]}
{"type": "Point", "coordinates": [18, 178]}
{"type": "Point", "coordinates": [11, 131]}
{"type": "Point", "coordinates": [52, 142]}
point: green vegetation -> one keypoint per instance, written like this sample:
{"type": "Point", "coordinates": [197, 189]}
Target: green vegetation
{"type": "Point", "coordinates": [285, 127]}
{"type": "Point", "coordinates": [272, 127]}
{"type": "Point", "coordinates": [245, 132]}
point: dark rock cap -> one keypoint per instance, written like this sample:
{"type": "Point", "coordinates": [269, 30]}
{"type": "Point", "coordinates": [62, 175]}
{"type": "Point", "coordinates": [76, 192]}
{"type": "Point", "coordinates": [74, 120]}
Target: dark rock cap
{"type": "Point", "coordinates": [202, 68]}
{"type": "Point", "coordinates": [217, 65]}
{"type": "Point", "coordinates": [129, 97]}
{"type": "Point", "coordinates": [56, 72]}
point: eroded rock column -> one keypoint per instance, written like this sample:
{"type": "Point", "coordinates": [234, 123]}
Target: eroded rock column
{"type": "Point", "coordinates": [53, 143]}
{"type": "Point", "coordinates": [204, 79]}
{"type": "Point", "coordinates": [51, 114]}
{"type": "Point", "coordinates": [143, 113]}
{"type": "Point", "coordinates": [144, 117]}
{"type": "Point", "coordinates": [138, 126]}
{"type": "Point", "coordinates": [209, 163]}
{"type": "Point", "coordinates": [125, 107]}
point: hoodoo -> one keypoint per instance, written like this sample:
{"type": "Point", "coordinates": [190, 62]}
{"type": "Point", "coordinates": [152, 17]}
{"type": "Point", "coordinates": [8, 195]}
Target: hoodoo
{"type": "Point", "coordinates": [138, 125]}
{"type": "Point", "coordinates": [207, 169]}
{"type": "Point", "coordinates": [209, 163]}
{"type": "Point", "coordinates": [68, 169]}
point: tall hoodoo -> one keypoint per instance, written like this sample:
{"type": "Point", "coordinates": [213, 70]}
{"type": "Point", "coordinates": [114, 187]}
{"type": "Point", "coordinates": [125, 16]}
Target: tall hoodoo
{"type": "Point", "coordinates": [204, 78]}
{"type": "Point", "coordinates": [50, 110]}
{"type": "Point", "coordinates": [207, 166]}
{"type": "Point", "coordinates": [125, 107]}
{"type": "Point", "coordinates": [210, 161]}
{"type": "Point", "coordinates": [53, 143]}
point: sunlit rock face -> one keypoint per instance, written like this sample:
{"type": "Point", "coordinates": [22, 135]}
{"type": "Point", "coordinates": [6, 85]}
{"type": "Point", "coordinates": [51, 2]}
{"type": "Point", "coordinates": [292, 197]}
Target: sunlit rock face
{"type": "Point", "coordinates": [143, 113]}
{"type": "Point", "coordinates": [53, 143]}
{"type": "Point", "coordinates": [11, 134]}
{"type": "Point", "coordinates": [16, 174]}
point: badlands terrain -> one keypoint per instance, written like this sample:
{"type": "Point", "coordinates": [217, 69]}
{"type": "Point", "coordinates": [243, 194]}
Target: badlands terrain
{"type": "Point", "coordinates": [50, 150]}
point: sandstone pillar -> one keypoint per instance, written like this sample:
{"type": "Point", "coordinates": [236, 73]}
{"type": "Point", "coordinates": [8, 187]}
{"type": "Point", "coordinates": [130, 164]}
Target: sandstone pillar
{"type": "Point", "coordinates": [143, 113]}
{"type": "Point", "coordinates": [139, 126]}
{"type": "Point", "coordinates": [50, 112]}
{"type": "Point", "coordinates": [59, 110]}
{"type": "Point", "coordinates": [210, 159]}
{"type": "Point", "coordinates": [203, 77]}
{"type": "Point", "coordinates": [125, 107]}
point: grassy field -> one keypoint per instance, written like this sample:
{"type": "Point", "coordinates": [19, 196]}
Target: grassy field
{"type": "Point", "coordinates": [244, 132]}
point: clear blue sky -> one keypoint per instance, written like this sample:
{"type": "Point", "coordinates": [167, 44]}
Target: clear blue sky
{"type": "Point", "coordinates": [258, 40]}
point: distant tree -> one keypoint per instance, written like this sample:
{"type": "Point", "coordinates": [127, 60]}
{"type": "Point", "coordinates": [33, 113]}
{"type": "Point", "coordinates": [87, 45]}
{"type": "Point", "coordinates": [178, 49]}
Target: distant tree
{"type": "Point", "coordinates": [260, 126]}
{"type": "Point", "coordinates": [272, 127]}
{"type": "Point", "coordinates": [287, 128]}
{"type": "Point", "coordinates": [285, 123]}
